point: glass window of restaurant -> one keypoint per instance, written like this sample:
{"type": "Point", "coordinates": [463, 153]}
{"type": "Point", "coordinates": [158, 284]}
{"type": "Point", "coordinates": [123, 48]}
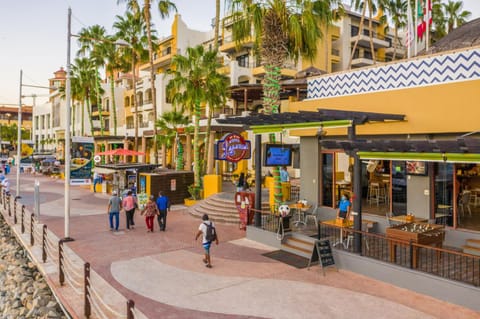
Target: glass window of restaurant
{"type": "Point", "coordinates": [467, 192]}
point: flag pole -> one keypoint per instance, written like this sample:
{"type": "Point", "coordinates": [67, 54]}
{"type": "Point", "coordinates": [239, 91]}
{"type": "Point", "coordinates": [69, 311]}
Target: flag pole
{"type": "Point", "coordinates": [415, 28]}
{"type": "Point", "coordinates": [427, 18]}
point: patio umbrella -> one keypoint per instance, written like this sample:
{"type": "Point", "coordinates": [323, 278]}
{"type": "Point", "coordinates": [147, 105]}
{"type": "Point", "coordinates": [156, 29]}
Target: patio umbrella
{"type": "Point", "coordinates": [121, 152]}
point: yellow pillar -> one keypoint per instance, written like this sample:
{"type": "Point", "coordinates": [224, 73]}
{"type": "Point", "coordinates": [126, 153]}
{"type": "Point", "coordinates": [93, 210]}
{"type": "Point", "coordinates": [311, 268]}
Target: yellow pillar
{"type": "Point", "coordinates": [212, 184]}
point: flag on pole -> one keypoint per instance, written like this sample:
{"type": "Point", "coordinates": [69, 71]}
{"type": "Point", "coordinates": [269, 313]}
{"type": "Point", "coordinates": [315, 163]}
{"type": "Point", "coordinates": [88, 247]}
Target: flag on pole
{"type": "Point", "coordinates": [410, 37]}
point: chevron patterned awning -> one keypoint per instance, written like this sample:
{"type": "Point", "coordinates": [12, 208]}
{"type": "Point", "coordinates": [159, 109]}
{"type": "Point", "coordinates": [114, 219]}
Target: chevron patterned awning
{"type": "Point", "coordinates": [263, 123]}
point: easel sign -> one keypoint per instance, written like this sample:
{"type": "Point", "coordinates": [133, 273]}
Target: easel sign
{"type": "Point", "coordinates": [322, 253]}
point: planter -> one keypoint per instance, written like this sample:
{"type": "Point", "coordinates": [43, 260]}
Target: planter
{"type": "Point", "coordinates": [190, 202]}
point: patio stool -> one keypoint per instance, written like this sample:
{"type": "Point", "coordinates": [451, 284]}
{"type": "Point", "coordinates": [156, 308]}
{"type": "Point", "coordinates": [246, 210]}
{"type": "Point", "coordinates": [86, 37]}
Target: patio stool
{"type": "Point", "coordinates": [373, 193]}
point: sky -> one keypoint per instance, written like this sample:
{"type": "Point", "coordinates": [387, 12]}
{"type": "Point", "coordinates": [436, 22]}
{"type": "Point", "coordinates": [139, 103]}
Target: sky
{"type": "Point", "coordinates": [33, 36]}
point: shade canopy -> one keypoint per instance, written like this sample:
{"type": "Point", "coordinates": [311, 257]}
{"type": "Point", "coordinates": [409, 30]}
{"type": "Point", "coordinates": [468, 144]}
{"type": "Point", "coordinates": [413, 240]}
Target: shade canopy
{"type": "Point", "coordinates": [121, 152]}
{"type": "Point", "coordinates": [263, 123]}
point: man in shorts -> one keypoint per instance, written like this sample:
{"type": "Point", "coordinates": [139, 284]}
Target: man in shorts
{"type": "Point", "coordinates": [202, 230]}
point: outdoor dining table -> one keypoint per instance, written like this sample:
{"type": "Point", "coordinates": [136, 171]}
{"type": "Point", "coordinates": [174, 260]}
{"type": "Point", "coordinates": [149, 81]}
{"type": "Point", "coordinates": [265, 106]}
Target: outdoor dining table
{"type": "Point", "coordinates": [344, 226]}
{"type": "Point", "coordinates": [300, 212]}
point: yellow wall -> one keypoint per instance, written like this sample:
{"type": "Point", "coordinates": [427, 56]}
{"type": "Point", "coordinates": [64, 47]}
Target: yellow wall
{"type": "Point", "coordinates": [446, 108]}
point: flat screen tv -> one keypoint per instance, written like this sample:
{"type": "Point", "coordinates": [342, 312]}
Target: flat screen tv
{"type": "Point", "coordinates": [278, 155]}
{"type": "Point", "coordinates": [416, 168]}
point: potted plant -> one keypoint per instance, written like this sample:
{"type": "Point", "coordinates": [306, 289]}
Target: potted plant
{"type": "Point", "coordinates": [195, 193]}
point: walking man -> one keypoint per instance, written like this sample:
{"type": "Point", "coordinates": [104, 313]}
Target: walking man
{"type": "Point", "coordinates": [207, 229]}
{"type": "Point", "coordinates": [96, 179]}
{"type": "Point", "coordinates": [113, 210]}
{"type": "Point", "coordinates": [128, 204]}
{"type": "Point", "coordinates": [163, 204]}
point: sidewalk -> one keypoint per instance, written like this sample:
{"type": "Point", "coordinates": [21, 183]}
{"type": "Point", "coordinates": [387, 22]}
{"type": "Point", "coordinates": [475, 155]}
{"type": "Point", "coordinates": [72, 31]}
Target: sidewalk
{"type": "Point", "coordinates": [164, 274]}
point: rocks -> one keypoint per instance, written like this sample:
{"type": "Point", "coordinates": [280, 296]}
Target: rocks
{"type": "Point", "coordinates": [23, 291]}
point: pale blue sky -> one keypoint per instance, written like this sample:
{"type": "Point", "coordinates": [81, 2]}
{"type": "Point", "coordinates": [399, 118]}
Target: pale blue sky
{"type": "Point", "coordinates": [33, 35]}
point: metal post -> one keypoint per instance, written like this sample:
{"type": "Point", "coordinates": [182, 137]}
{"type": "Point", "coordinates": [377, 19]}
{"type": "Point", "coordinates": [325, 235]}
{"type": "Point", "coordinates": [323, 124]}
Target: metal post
{"type": "Point", "coordinates": [67, 134]}
{"type": "Point", "coordinates": [32, 238]}
{"type": "Point", "coordinates": [19, 138]}
{"type": "Point", "coordinates": [410, 245]}
{"type": "Point", "coordinates": [36, 199]}
{"type": "Point", "coordinates": [44, 243]}
{"type": "Point", "coordinates": [23, 219]}
{"type": "Point", "coordinates": [9, 206]}
{"type": "Point", "coordinates": [15, 210]}
{"type": "Point", "coordinates": [87, 308]}
{"type": "Point", "coordinates": [258, 180]}
{"type": "Point", "coordinates": [61, 275]}
{"type": "Point", "coordinates": [357, 195]}
{"type": "Point", "coordinates": [130, 307]}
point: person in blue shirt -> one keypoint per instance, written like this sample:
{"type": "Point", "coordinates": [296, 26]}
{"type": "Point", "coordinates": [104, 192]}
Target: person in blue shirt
{"type": "Point", "coordinates": [163, 204]}
{"type": "Point", "coordinates": [343, 207]}
{"type": "Point", "coordinates": [284, 177]}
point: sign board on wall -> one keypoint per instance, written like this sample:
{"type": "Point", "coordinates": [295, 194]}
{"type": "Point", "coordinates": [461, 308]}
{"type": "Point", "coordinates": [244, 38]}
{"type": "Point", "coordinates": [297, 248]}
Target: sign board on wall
{"type": "Point", "coordinates": [233, 148]}
{"type": "Point", "coordinates": [81, 160]}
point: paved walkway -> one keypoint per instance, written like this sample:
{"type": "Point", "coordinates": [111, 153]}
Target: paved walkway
{"type": "Point", "coordinates": [164, 274]}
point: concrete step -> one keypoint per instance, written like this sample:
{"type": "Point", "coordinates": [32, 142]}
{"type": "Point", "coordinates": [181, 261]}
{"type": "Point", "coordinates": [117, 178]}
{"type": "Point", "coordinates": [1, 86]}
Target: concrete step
{"type": "Point", "coordinates": [297, 242]}
{"type": "Point", "coordinates": [473, 243]}
{"type": "Point", "coordinates": [471, 250]}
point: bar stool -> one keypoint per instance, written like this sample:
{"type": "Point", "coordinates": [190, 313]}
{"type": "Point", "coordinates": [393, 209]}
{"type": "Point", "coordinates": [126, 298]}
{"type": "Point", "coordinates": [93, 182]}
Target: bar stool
{"type": "Point", "coordinates": [373, 193]}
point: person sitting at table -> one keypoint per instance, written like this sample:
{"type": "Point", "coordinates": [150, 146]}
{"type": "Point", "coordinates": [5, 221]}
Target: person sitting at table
{"type": "Point", "coordinates": [343, 207]}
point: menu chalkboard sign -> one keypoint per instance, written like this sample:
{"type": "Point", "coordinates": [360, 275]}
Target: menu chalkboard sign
{"type": "Point", "coordinates": [322, 253]}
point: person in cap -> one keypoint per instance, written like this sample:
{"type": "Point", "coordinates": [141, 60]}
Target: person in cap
{"type": "Point", "coordinates": [113, 210]}
{"type": "Point", "coordinates": [150, 211]}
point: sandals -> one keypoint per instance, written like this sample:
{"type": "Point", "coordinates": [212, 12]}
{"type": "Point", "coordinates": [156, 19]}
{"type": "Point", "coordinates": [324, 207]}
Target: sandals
{"type": "Point", "coordinates": [208, 266]}
{"type": "Point", "coordinates": [205, 261]}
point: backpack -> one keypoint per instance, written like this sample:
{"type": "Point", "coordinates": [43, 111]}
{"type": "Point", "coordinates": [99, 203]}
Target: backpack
{"type": "Point", "coordinates": [211, 234]}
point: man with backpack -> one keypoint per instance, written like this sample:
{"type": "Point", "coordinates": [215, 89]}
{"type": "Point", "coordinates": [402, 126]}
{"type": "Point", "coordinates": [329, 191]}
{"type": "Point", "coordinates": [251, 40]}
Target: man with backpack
{"type": "Point", "coordinates": [207, 228]}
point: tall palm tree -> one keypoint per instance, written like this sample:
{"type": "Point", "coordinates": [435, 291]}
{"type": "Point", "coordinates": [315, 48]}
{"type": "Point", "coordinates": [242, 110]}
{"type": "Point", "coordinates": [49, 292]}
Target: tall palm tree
{"type": "Point", "coordinates": [397, 10]}
{"type": "Point", "coordinates": [281, 29]}
{"type": "Point", "coordinates": [454, 14]}
{"type": "Point", "coordinates": [131, 29]}
{"type": "Point", "coordinates": [217, 25]}
{"type": "Point", "coordinates": [92, 41]}
{"type": "Point", "coordinates": [164, 8]}
{"type": "Point", "coordinates": [195, 81]}
{"type": "Point", "coordinates": [438, 20]}
{"type": "Point", "coordinates": [363, 5]}
{"type": "Point", "coordinates": [168, 123]}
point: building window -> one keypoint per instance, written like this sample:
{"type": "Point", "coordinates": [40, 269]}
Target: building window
{"type": "Point", "coordinates": [127, 101]}
{"type": "Point", "coordinates": [243, 60]}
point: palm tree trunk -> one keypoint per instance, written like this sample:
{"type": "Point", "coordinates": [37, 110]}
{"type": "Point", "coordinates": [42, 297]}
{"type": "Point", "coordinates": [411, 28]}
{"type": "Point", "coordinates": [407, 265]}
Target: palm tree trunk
{"type": "Point", "coordinates": [134, 100]}
{"type": "Point", "coordinates": [360, 30]}
{"type": "Point", "coordinates": [146, 12]}
{"type": "Point", "coordinates": [83, 117]}
{"type": "Point", "coordinates": [206, 167]}
{"type": "Point", "coordinates": [196, 146]}
{"type": "Point", "coordinates": [395, 39]}
{"type": "Point", "coordinates": [370, 26]}
{"type": "Point", "coordinates": [73, 118]}
{"type": "Point", "coordinates": [114, 104]}
{"type": "Point", "coordinates": [89, 110]}
{"type": "Point", "coordinates": [99, 104]}
{"type": "Point", "coordinates": [217, 24]}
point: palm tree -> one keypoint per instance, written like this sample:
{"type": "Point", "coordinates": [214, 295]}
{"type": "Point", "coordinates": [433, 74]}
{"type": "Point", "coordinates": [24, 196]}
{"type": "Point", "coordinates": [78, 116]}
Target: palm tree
{"type": "Point", "coordinates": [195, 81]}
{"type": "Point", "coordinates": [438, 20]}
{"type": "Point", "coordinates": [217, 25]}
{"type": "Point", "coordinates": [281, 29]}
{"type": "Point", "coordinates": [168, 124]}
{"type": "Point", "coordinates": [92, 41]}
{"type": "Point", "coordinates": [397, 9]}
{"type": "Point", "coordinates": [363, 5]}
{"type": "Point", "coordinates": [454, 15]}
{"type": "Point", "coordinates": [131, 29]}
{"type": "Point", "coordinates": [164, 8]}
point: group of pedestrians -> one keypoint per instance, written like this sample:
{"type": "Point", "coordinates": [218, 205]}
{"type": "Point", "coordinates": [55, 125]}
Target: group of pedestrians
{"type": "Point", "coordinates": [159, 207]}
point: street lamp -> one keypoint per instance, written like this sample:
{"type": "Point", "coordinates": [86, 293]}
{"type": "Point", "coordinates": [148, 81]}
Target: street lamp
{"type": "Point", "coordinates": [67, 134]}
{"type": "Point", "coordinates": [19, 139]}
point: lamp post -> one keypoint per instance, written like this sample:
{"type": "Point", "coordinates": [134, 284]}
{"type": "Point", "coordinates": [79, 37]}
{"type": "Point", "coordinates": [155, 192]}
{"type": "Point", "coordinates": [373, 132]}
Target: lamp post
{"type": "Point", "coordinates": [67, 134]}
{"type": "Point", "coordinates": [19, 139]}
